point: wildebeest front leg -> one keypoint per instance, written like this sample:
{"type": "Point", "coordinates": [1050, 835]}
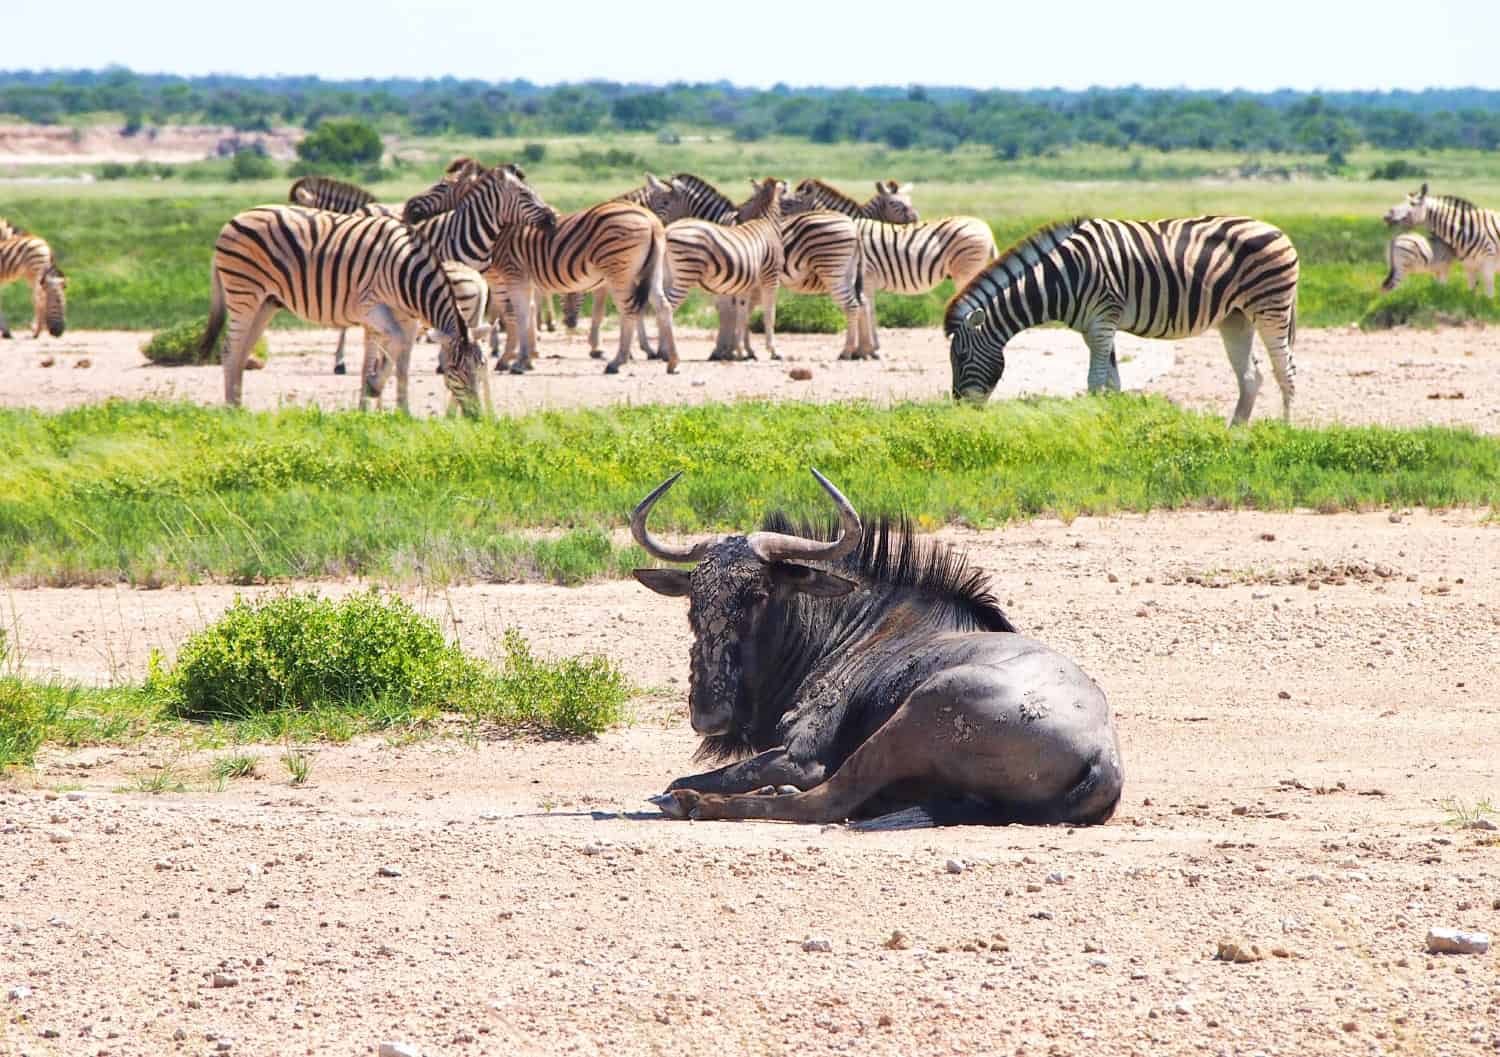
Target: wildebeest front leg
{"type": "Point", "coordinates": [773, 767]}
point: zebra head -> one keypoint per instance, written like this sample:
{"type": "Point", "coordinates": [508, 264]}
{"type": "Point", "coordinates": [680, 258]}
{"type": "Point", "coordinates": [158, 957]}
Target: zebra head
{"type": "Point", "coordinates": [463, 373]}
{"type": "Point", "coordinates": [51, 299]}
{"type": "Point", "coordinates": [1411, 213]}
{"type": "Point", "coordinates": [892, 203]}
{"type": "Point", "coordinates": [976, 349]}
{"type": "Point", "coordinates": [765, 201]}
{"type": "Point", "coordinates": [512, 200]}
{"type": "Point", "coordinates": [662, 199]}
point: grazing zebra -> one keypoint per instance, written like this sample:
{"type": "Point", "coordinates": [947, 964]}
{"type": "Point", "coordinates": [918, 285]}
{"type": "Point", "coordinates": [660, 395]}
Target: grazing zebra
{"type": "Point", "coordinates": [1156, 279]}
{"type": "Point", "coordinates": [892, 201]}
{"type": "Point", "coordinates": [1472, 232]}
{"type": "Point", "coordinates": [617, 245]}
{"type": "Point", "coordinates": [29, 257]}
{"type": "Point", "coordinates": [1413, 254]}
{"type": "Point", "coordinates": [341, 270]}
{"type": "Point", "coordinates": [471, 293]}
{"type": "Point", "coordinates": [742, 260]}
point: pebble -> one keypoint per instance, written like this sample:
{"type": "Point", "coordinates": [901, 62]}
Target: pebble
{"type": "Point", "coordinates": [397, 1049]}
{"type": "Point", "coordinates": [49, 1033]}
{"type": "Point", "coordinates": [1483, 823]}
{"type": "Point", "coordinates": [1055, 878]}
{"type": "Point", "coordinates": [1452, 941]}
{"type": "Point", "coordinates": [954, 866]}
{"type": "Point", "coordinates": [817, 945]}
{"type": "Point", "coordinates": [1239, 952]}
{"type": "Point", "coordinates": [224, 1045]}
{"type": "Point", "coordinates": [59, 836]}
{"type": "Point", "coordinates": [593, 848]}
{"type": "Point", "coordinates": [389, 871]}
{"type": "Point", "coordinates": [225, 980]}
{"type": "Point", "coordinates": [111, 828]}
{"type": "Point", "coordinates": [897, 941]}
{"type": "Point", "coordinates": [15, 994]}
{"type": "Point", "coordinates": [179, 1035]}
{"type": "Point", "coordinates": [77, 795]}
{"type": "Point", "coordinates": [1184, 1006]}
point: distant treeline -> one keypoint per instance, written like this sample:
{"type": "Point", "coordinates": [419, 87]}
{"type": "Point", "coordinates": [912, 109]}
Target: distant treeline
{"type": "Point", "coordinates": [1014, 124]}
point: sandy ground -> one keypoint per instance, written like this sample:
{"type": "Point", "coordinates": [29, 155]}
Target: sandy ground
{"type": "Point", "coordinates": [1287, 753]}
{"type": "Point", "coordinates": [1405, 377]}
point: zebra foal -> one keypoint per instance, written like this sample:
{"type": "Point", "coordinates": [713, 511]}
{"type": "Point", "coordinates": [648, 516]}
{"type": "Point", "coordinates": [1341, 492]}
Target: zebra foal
{"type": "Point", "coordinates": [1472, 232]}
{"type": "Point", "coordinates": [29, 257]}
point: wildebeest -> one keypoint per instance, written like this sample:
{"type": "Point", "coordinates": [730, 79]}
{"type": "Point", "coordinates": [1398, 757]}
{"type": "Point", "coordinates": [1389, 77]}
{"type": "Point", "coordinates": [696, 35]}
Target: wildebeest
{"type": "Point", "coordinates": [876, 675]}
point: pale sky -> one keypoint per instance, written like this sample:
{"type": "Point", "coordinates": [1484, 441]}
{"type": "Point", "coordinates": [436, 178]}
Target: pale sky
{"type": "Point", "coordinates": [1213, 44]}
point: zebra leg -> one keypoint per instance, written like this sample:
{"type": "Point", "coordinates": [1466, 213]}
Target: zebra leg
{"type": "Point", "coordinates": [726, 345]}
{"type": "Point", "coordinates": [627, 329]}
{"type": "Point", "coordinates": [645, 341]}
{"type": "Point", "coordinates": [1239, 337]}
{"type": "Point", "coordinates": [1276, 336]}
{"type": "Point", "coordinates": [1101, 341]}
{"type": "Point", "coordinates": [243, 334]}
{"type": "Point", "coordinates": [4, 326]}
{"type": "Point", "coordinates": [1488, 271]}
{"type": "Point", "coordinates": [544, 311]}
{"type": "Point", "coordinates": [870, 330]}
{"type": "Point", "coordinates": [374, 371]}
{"type": "Point", "coordinates": [1113, 382]}
{"type": "Point", "coordinates": [768, 313]}
{"type": "Point", "coordinates": [338, 353]}
{"type": "Point", "coordinates": [571, 303]}
{"type": "Point", "coordinates": [395, 337]}
{"type": "Point", "coordinates": [596, 322]}
{"type": "Point", "coordinates": [403, 364]}
{"type": "Point", "coordinates": [666, 331]}
{"type": "Point", "coordinates": [525, 327]}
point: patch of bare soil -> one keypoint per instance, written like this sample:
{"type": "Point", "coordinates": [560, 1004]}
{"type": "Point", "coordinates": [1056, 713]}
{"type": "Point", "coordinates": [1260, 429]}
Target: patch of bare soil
{"type": "Point", "coordinates": [1288, 754]}
{"type": "Point", "coordinates": [1342, 375]}
{"type": "Point", "coordinates": [23, 145]}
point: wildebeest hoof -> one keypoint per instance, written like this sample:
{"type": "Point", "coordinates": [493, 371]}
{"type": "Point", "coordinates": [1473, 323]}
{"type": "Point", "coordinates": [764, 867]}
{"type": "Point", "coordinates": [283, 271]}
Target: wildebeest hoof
{"type": "Point", "coordinates": [338, 368]}
{"type": "Point", "coordinates": [612, 368]}
{"type": "Point", "coordinates": [670, 805]}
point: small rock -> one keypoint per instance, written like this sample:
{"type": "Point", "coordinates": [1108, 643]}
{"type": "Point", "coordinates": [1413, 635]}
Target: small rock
{"type": "Point", "coordinates": [1482, 823]}
{"type": "Point", "coordinates": [179, 1035]}
{"type": "Point", "coordinates": [1056, 878]}
{"type": "Point", "coordinates": [225, 980]}
{"type": "Point", "coordinates": [49, 1033]}
{"type": "Point", "coordinates": [1268, 537]}
{"type": "Point", "coordinates": [76, 795]}
{"type": "Point", "coordinates": [1183, 1006]}
{"type": "Point", "coordinates": [884, 1021]}
{"type": "Point", "coordinates": [111, 828]}
{"type": "Point", "coordinates": [1143, 612]}
{"type": "Point", "coordinates": [48, 361]}
{"type": "Point", "coordinates": [1032, 886]}
{"type": "Point", "coordinates": [818, 945]}
{"type": "Point", "coordinates": [1313, 585]}
{"type": "Point", "coordinates": [83, 362]}
{"type": "Point", "coordinates": [224, 1045]}
{"type": "Point", "coordinates": [697, 383]}
{"type": "Point", "coordinates": [1239, 952]}
{"type": "Point", "coordinates": [1284, 695]}
{"type": "Point", "coordinates": [800, 374]}
{"type": "Point", "coordinates": [954, 866]}
{"type": "Point", "coordinates": [1350, 1025]}
{"type": "Point", "coordinates": [1452, 941]}
{"type": "Point", "coordinates": [397, 1049]}
{"type": "Point", "coordinates": [1098, 962]}
{"type": "Point", "coordinates": [1394, 517]}
{"type": "Point", "coordinates": [897, 941]}
{"type": "Point", "coordinates": [389, 871]}
{"type": "Point", "coordinates": [59, 836]}
{"type": "Point", "coordinates": [16, 994]}
{"type": "Point", "coordinates": [592, 848]}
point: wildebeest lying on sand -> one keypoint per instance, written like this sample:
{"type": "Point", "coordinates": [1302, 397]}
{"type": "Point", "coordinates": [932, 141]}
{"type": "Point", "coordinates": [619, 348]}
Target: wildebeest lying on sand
{"type": "Point", "coordinates": [874, 677]}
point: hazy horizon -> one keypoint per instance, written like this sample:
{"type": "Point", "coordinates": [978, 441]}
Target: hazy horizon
{"type": "Point", "coordinates": [1168, 44]}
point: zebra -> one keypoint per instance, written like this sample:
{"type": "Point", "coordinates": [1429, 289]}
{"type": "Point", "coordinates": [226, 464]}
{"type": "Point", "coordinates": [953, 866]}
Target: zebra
{"type": "Point", "coordinates": [1472, 232]}
{"type": "Point", "coordinates": [741, 260]}
{"type": "Point", "coordinates": [1155, 279]}
{"type": "Point", "coordinates": [338, 269]}
{"type": "Point", "coordinates": [912, 258]}
{"type": "Point", "coordinates": [337, 196]}
{"type": "Point", "coordinates": [9, 230]}
{"type": "Point", "coordinates": [471, 294]}
{"type": "Point", "coordinates": [1413, 254]}
{"type": "Point", "coordinates": [29, 257]}
{"type": "Point", "coordinates": [617, 245]}
{"type": "Point", "coordinates": [891, 204]}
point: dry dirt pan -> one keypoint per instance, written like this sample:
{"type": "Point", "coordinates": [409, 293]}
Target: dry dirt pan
{"type": "Point", "coordinates": [1286, 749]}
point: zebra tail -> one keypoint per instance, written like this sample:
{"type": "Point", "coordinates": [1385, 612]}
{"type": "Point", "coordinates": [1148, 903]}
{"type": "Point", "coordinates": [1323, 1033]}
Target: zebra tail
{"type": "Point", "coordinates": [1291, 326]}
{"type": "Point", "coordinates": [641, 295]}
{"type": "Point", "coordinates": [217, 313]}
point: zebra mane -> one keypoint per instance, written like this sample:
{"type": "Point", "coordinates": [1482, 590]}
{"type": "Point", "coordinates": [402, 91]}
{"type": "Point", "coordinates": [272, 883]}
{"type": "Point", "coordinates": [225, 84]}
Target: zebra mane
{"type": "Point", "coordinates": [316, 185]}
{"type": "Point", "coordinates": [1463, 205]}
{"type": "Point", "coordinates": [700, 188]}
{"type": "Point", "coordinates": [1015, 261]}
{"type": "Point", "coordinates": [823, 192]}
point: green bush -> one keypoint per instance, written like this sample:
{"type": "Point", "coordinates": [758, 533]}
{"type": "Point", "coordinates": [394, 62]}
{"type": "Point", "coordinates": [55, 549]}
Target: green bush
{"type": "Point", "coordinates": [533, 153]}
{"type": "Point", "coordinates": [141, 170]}
{"type": "Point", "coordinates": [177, 346]}
{"type": "Point", "coordinates": [1398, 169]}
{"type": "Point", "coordinates": [803, 314]}
{"type": "Point", "coordinates": [1423, 302]}
{"type": "Point", "coordinates": [304, 653]}
{"type": "Point", "coordinates": [341, 143]}
{"type": "Point", "coordinates": [251, 164]}
{"type": "Point", "coordinates": [576, 695]}
{"type": "Point", "coordinates": [897, 310]}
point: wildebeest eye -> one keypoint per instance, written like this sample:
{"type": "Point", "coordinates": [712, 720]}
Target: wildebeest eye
{"type": "Point", "coordinates": [975, 319]}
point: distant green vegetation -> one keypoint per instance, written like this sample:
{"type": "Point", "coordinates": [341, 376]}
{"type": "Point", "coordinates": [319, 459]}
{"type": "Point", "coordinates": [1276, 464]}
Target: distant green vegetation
{"type": "Point", "coordinates": [298, 667]}
{"type": "Point", "coordinates": [150, 493]}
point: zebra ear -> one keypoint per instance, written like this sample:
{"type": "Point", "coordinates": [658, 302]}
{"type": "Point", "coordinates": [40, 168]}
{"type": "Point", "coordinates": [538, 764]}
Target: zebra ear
{"type": "Point", "coordinates": [1423, 192]}
{"type": "Point", "coordinates": [653, 183]}
{"type": "Point", "coordinates": [975, 319]}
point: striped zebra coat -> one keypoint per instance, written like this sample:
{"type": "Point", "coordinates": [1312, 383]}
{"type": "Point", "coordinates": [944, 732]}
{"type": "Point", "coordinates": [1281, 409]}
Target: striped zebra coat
{"type": "Point", "coordinates": [471, 293]}
{"type": "Point", "coordinates": [891, 203]}
{"type": "Point", "coordinates": [30, 258]}
{"type": "Point", "coordinates": [617, 245]}
{"type": "Point", "coordinates": [1472, 232]}
{"type": "Point", "coordinates": [1155, 279]}
{"type": "Point", "coordinates": [9, 230]}
{"type": "Point", "coordinates": [340, 270]}
{"type": "Point", "coordinates": [743, 260]}
{"type": "Point", "coordinates": [1413, 254]}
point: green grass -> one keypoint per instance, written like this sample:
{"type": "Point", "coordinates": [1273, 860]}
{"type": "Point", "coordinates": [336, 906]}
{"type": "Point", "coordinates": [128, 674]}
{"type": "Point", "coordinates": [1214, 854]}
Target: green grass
{"type": "Point", "coordinates": [152, 493]}
{"type": "Point", "coordinates": [137, 252]}
{"type": "Point", "coordinates": [295, 668]}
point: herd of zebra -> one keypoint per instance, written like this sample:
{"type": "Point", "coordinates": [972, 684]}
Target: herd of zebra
{"type": "Point", "coordinates": [481, 249]}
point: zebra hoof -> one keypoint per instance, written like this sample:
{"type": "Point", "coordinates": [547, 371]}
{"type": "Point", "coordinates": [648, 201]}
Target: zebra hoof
{"type": "Point", "coordinates": [519, 368]}
{"type": "Point", "coordinates": [7, 335]}
{"type": "Point", "coordinates": [440, 369]}
{"type": "Point", "coordinates": [719, 356]}
{"type": "Point", "coordinates": [612, 368]}
{"type": "Point", "coordinates": [339, 368]}
{"type": "Point", "coordinates": [596, 354]}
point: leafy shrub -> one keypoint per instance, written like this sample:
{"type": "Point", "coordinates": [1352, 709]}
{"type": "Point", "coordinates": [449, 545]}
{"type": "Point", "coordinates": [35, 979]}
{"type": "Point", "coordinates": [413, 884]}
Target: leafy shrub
{"type": "Point", "coordinates": [1420, 302]}
{"type": "Point", "coordinates": [141, 170]}
{"type": "Point", "coordinates": [177, 346]}
{"type": "Point", "coordinates": [575, 695]}
{"type": "Point", "coordinates": [114, 170]}
{"type": "Point", "coordinates": [896, 310]}
{"type": "Point", "coordinates": [342, 143]}
{"type": "Point", "coordinates": [303, 653]}
{"type": "Point", "coordinates": [614, 158]}
{"type": "Point", "coordinates": [251, 164]}
{"type": "Point", "coordinates": [533, 153]}
{"type": "Point", "coordinates": [1398, 169]}
{"type": "Point", "coordinates": [803, 314]}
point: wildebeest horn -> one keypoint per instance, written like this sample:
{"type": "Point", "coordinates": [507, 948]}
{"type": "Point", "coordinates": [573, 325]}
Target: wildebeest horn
{"type": "Point", "coordinates": [654, 547]}
{"type": "Point", "coordinates": [776, 547]}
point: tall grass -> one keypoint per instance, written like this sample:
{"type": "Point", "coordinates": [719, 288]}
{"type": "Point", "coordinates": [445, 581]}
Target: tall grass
{"type": "Point", "coordinates": [148, 493]}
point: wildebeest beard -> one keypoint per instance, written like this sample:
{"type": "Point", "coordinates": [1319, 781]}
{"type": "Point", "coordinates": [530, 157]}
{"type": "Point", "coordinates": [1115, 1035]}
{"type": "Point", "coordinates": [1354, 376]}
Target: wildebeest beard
{"type": "Point", "coordinates": [907, 583]}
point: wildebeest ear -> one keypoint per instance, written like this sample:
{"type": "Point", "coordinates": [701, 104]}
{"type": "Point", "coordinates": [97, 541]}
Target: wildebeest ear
{"type": "Point", "coordinates": [810, 581]}
{"type": "Point", "coordinates": [673, 582]}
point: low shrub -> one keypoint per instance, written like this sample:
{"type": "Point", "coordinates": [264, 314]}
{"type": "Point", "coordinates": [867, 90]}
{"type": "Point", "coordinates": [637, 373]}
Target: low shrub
{"type": "Point", "coordinates": [1398, 169]}
{"type": "Point", "coordinates": [574, 695]}
{"type": "Point", "coordinates": [897, 310]}
{"type": "Point", "coordinates": [802, 314]}
{"type": "Point", "coordinates": [1424, 302]}
{"type": "Point", "coordinates": [251, 164]}
{"type": "Point", "coordinates": [177, 346]}
{"type": "Point", "coordinates": [533, 153]}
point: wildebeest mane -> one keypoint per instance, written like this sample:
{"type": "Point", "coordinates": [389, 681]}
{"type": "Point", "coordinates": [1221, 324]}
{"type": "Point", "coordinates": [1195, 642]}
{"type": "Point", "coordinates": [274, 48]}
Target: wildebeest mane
{"type": "Point", "coordinates": [893, 559]}
{"type": "Point", "coordinates": [894, 553]}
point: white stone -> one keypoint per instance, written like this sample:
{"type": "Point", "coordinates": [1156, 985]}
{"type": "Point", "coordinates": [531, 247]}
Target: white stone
{"type": "Point", "coordinates": [1452, 941]}
{"type": "Point", "coordinates": [954, 866]}
{"type": "Point", "coordinates": [389, 871]}
{"type": "Point", "coordinates": [19, 992]}
{"type": "Point", "coordinates": [397, 1049]}
{"type": "Point", "coordinates": [818, 945]}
